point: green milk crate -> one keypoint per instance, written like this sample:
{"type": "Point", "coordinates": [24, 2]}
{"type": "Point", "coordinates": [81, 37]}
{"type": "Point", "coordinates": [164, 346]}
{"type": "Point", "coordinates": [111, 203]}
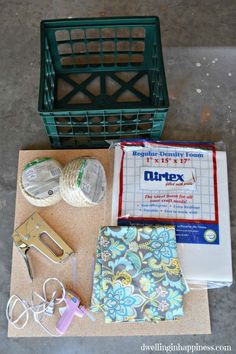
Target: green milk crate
{"type": "Point", "coordinates": [102, 79]}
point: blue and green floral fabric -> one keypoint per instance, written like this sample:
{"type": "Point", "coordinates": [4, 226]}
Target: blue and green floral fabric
{"type": "Point", "coordinates": [137, 275]}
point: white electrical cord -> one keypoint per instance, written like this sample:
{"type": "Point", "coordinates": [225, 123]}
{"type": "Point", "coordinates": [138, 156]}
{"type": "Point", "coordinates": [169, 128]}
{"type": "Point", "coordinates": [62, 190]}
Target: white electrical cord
{"type": "Point", "coordinates": [46, 306]}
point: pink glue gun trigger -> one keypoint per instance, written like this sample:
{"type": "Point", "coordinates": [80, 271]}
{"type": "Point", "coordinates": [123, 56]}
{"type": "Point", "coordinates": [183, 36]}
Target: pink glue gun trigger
{"type": "Point", "coordinates": [72, 309]}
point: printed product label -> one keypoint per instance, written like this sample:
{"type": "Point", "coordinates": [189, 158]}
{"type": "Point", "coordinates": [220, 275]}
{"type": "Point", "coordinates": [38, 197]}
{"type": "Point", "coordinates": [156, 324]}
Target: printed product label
{"type": "Point", "coordinates": [40, 178]}
{"type": "Point", "coordinates": [171, 184]}
{"type": "Point", "coordinates": [91, 180]}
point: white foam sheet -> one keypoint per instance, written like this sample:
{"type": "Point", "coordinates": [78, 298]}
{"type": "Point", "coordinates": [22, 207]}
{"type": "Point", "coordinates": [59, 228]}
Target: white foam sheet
{"type": "Point", "coordinates": [202, 264]}
{"type": "Point", "coordinates": [212, 263]}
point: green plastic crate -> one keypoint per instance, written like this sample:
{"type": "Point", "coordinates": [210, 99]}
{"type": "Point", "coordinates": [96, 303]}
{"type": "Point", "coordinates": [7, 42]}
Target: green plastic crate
{"type": "Point", "coordinates": [102, 79]}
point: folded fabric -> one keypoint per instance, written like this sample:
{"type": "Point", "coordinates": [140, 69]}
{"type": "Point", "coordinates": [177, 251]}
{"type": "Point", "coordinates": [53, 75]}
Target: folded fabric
{"type": "Point", "coordinates": [137, 275]}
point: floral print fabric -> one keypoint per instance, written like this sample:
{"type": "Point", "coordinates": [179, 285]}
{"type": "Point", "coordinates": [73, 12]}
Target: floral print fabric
{"type": "Point", "coordinates": [137, 275]}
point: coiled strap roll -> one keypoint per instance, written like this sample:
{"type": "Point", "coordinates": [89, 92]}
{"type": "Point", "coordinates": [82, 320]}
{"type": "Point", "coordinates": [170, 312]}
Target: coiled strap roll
{"type": "Point", "coordinates": [39, 182]}
{"type": "Point", "coordinates": [83, 182]}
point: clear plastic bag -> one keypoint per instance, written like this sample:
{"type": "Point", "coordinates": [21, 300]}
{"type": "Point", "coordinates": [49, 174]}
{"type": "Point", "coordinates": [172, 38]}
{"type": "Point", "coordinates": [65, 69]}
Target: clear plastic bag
{"type": "Point", "coordinates": [184, 184]}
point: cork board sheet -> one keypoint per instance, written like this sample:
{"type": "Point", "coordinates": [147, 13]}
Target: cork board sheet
{"type": "Point", "coordinates": [79, 228]}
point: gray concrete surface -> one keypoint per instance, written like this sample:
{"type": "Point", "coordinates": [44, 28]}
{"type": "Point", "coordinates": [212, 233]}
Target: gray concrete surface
{"type": "Point", "coordinates": [191, 31]}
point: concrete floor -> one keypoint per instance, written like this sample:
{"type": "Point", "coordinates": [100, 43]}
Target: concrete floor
{"type": "Point", "coordinates": [196, 31]}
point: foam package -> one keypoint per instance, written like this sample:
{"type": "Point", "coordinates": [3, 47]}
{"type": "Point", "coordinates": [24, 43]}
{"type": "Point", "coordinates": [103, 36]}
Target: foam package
{"type": "Point", "coordinates": [200, 210]}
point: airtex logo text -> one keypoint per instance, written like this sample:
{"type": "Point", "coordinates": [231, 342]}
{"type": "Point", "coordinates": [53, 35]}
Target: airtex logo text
{"type": "Point", "coordinates": [168, 177]}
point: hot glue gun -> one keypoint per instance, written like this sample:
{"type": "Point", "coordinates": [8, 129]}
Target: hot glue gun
{"type": "Point", "coordinates": [73, 308]}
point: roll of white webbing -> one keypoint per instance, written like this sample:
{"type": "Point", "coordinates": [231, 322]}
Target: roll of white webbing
{"type": "Point", "coordinates": [83, 182]}
{"type": "Point", "coordinates": [39, 182]}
